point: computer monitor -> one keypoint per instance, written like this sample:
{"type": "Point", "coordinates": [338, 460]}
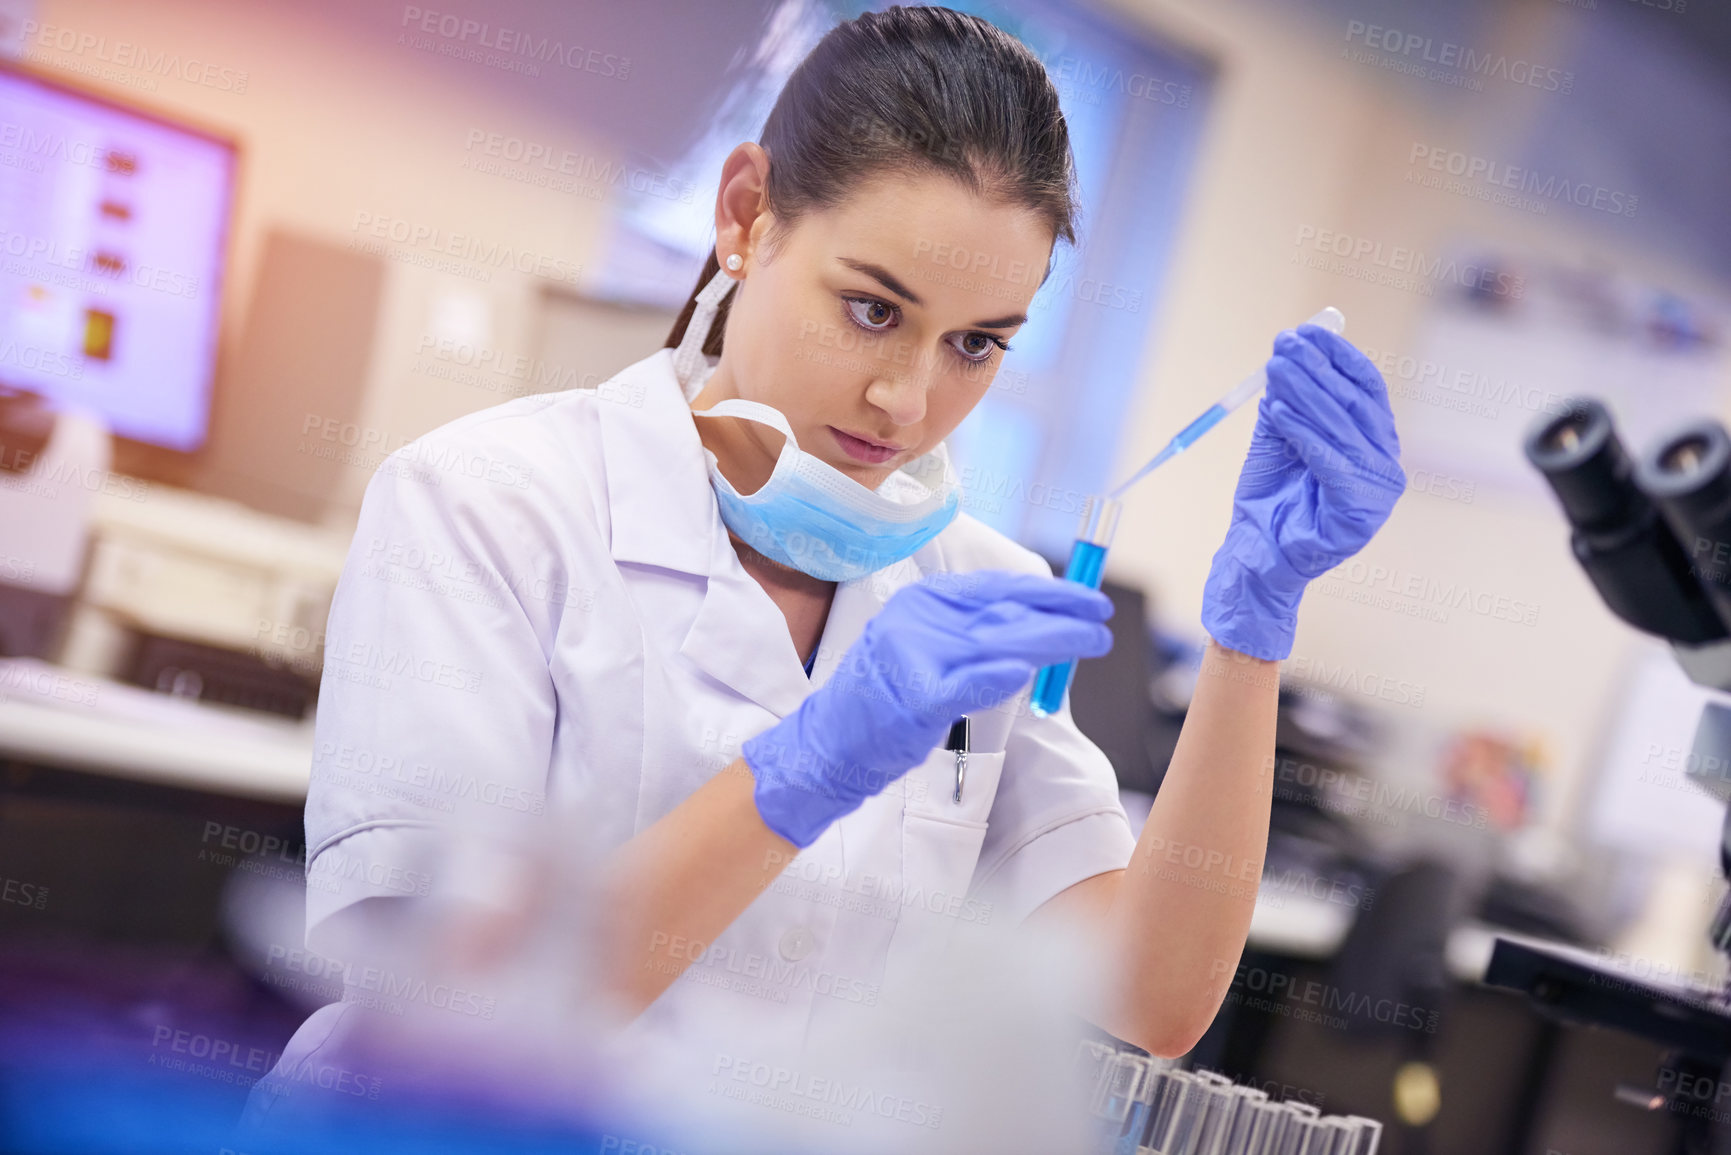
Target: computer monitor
{"type": "Point", "coordinates": [113, 232]}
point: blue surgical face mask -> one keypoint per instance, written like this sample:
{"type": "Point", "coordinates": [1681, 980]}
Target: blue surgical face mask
{"type": "Point", "coordinates": [810, 515]}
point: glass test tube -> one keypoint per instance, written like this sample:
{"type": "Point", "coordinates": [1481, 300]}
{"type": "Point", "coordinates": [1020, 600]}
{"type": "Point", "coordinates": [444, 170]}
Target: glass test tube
{"type": "Point", "coordinates": [1166, 1087]}
{"type": "Point", "coordinates": [1247, 1122]}
{"type": "Point", "coordinates": [1091, 1060]}
{"type": "Point", "coordinates": [1369, 1136]}
{"type": "Point", "coordinates": [1342, 1136]}
{"type": "Point", "coordinates": [1281, 1122]}
{"type": "Point", "coordinates": [1301, 1126]}
{"type": "Point", "coordinates": [1134, 1133]}
{"type": "Point", "coordinates": [1171, 1100]}
{"type": "Point", "coordinates": [1217, 1108]}
{"type": "Point", "coordinates": [1217, 1123]}
{"type": "Point", "coordinates": [1244, 1121]}
{"type": "Point", "coordinates": [1263, 1120]}
{"type": "Point", "coordinates": [1088, 567]}
{"type": "Point", "coordinates": [1116, 1096]}
{"type": "Point", "coordinates": [1199, 1117]}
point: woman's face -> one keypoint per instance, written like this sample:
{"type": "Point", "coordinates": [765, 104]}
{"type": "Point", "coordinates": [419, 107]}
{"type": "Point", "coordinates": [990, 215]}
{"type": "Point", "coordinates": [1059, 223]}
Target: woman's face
{"type": "Point", "coordinates": [874, 326]}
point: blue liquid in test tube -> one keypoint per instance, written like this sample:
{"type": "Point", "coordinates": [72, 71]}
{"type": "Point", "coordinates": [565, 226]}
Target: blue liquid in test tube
{"type": "Point", "coordinates": [1087, 567]}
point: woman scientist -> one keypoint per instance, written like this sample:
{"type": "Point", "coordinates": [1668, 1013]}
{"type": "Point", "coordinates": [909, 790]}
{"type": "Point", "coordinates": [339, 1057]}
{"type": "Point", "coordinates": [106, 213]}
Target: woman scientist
{"type": "Point", "coordinates": [716, 619]}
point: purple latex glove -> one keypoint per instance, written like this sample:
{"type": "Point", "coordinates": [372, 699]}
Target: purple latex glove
{"type": "Point", "coordinates": [949, 645]}
{"type": "Point", "coordinates": [1322, 475]}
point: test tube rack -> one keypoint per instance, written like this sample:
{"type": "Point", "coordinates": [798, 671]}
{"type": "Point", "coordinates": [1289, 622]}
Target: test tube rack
{"type": "Point", "coordinates": [1147, 1106]}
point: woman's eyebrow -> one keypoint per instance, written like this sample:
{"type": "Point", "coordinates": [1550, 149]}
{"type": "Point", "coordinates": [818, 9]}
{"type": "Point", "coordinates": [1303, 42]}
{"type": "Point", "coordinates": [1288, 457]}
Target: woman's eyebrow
{"type": "Point", "coordinates": [888, 280]}
{"type": "Point", "coordinates": [883, 277]}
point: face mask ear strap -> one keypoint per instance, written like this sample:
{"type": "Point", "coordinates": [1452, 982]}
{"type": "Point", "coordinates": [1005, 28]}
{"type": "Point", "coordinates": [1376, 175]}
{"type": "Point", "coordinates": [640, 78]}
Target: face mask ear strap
{"type": "Point", "coordinates": [751, 411]}
{"type": "Point", "coordinates": [689, 364]}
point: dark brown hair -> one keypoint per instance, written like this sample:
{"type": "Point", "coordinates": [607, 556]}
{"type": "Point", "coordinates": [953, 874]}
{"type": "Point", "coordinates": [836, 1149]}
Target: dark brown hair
{"type": "Point", "coordinates": [914, 90]}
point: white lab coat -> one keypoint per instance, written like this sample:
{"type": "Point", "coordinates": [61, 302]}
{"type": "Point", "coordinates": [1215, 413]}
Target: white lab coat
{"type": "Point", "coordinates": [542, 614]}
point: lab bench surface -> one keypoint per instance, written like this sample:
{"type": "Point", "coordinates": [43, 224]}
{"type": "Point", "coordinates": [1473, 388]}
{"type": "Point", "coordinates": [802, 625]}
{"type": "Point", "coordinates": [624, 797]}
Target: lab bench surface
{"type": "Point", "coordinates": [50, 716]}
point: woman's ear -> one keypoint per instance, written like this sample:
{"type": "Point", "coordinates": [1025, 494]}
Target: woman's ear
{"type": "Point", "coordinates": [742, 202]}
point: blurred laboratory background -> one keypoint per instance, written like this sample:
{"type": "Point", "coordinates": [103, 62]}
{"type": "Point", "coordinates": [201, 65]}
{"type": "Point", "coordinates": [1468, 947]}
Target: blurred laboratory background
{"type": "Point", "coordinates": [249, 249]}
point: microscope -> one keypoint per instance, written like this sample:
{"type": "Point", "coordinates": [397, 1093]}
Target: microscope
{"type": "Point", "coordinates": [1653, 535]}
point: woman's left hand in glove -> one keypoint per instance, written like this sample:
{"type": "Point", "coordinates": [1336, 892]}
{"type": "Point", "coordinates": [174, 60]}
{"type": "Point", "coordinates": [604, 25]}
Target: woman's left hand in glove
{"type": "Point", "coordinates": [1322, 475]}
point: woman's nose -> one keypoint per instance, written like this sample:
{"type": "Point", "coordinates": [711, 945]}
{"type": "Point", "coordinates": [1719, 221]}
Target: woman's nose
{"type": "Point", "coordinates": [901, 393]}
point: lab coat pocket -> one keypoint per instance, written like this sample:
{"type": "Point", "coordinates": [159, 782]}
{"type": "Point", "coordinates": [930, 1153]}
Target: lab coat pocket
{"type": "Point", "coordinates": [941, 842]}
{"type": "Point", "coordinates": [930, 788]}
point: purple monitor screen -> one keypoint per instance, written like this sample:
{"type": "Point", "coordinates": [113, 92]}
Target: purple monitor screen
{"type": "Point", "coordinates": [112, 232]}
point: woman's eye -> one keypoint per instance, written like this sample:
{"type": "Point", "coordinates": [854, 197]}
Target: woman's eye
{"type": "Point", "coordinates": [977, 346]}
{"type": "Point", "coordinates": [869, 314]}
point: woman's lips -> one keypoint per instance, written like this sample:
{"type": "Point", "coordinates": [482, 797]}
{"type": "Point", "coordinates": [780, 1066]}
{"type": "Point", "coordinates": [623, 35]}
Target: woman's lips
{"type": "Point", "coordinates": [866, 452]}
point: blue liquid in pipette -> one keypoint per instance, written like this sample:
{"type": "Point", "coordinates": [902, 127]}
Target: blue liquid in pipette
{"type": "Point", "coordinates": [1329, 318]}
{"type": "Point", "coordinates": [1186, 437]}
{"type": "Point", "coordinates": [1087, 566]}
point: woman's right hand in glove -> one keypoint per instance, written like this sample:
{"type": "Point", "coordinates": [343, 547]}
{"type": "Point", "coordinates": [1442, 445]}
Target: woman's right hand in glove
{"type": "Point", "coordinates": [952, 644]}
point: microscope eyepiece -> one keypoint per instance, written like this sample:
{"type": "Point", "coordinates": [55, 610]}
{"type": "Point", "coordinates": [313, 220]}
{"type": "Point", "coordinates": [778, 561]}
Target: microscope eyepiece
{"type": "Point", "coordinates": [1684, 458]}
{"type": "Point", "coordinates": [1632, 553]}
{"type": "Point", "coordinates": [1565, 435]}
{"type": "Point", "coordinates": [1579, 453]}
{"type": "Point", "coordinates": [1690, 464]}
{"type": "Point", "coordinates": [1687, 473]}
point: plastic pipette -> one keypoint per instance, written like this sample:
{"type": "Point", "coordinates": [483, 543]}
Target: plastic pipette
{"type": "Point", "coordinates": [1330, 319]}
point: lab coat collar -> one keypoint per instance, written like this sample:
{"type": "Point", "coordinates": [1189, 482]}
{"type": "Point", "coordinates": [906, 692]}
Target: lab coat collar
{"type": "Point", "coordinates": [658, 497]}
{"type": "Point", "coordinates": [728, 642]}
{"type": "Point", "coordinates": [664, 514]}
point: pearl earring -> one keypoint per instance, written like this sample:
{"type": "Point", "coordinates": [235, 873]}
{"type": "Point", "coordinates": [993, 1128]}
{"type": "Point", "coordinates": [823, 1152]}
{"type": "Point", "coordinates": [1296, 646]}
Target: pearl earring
{"type": "Point", "coordinates": [735, 262]}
